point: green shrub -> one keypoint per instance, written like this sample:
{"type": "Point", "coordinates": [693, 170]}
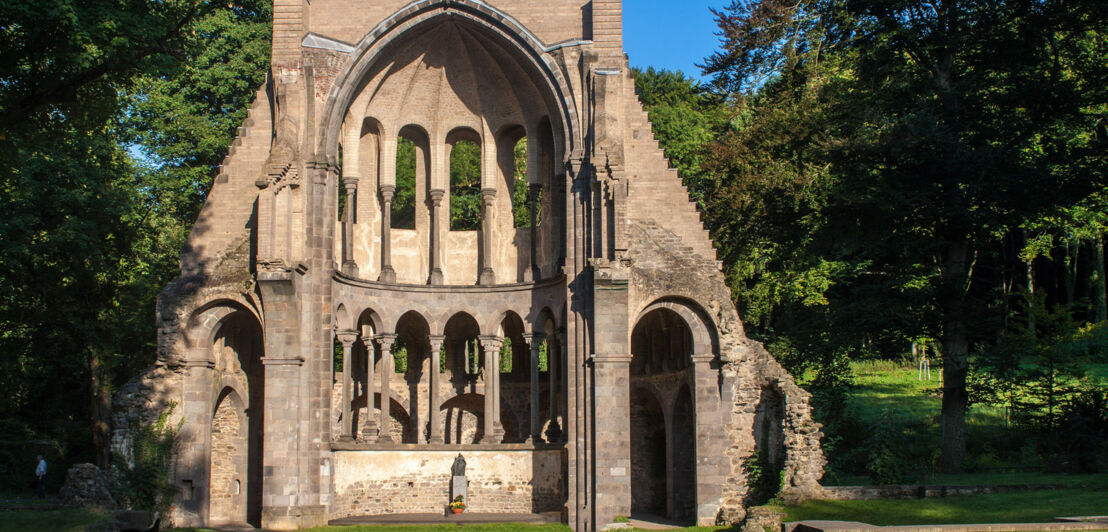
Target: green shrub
{"type": "Point", "coordinates": [764, 478]}
{"type": "Point", "coordinates": [145, 482]}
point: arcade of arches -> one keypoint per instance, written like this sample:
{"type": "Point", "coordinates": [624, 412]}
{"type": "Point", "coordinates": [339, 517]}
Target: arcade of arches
{"type": "Point", "coordinates": [446, 228]}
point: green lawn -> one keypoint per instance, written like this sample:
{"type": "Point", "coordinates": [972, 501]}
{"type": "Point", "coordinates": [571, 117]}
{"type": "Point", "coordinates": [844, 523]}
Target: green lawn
{"type": "Point", "coordinates": [1022, 507]}
{"type": "Point", "coordinates": [69, 520]}
{"type": "Point", "coordinates": [499, 527]}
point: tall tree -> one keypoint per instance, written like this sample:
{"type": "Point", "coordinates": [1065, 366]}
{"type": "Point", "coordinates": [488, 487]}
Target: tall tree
{"type": "Point", "coordinates": [90, 234]}
{"type": "Point", "coordinates": [955, 121]}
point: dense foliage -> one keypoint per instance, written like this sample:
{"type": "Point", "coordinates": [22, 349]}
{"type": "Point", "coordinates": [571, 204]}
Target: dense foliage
{"type": "Point", "coordinates": [113, 116]}
{"type": "Point", "coordinates": [901, 173]}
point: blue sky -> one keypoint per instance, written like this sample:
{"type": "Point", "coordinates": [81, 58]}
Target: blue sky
{"type": "Point", "coordinates": [671, 34]}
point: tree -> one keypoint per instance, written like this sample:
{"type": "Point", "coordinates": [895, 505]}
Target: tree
{"type": "Point", "coordinates": [953, 122]}
{"type": "Point", "coordinates": [91, 233]}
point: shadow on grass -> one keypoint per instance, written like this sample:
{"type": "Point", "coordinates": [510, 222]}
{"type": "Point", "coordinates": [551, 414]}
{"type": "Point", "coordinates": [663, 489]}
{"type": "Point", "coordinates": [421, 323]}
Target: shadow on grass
{"type": "Point", "coordinates": [67, 520]}
{"type": "Point", "coordinates": [1022, 507]}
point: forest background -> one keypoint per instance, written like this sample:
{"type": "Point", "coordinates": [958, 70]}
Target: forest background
{"type": "Point", "coordinates": [884, 180]}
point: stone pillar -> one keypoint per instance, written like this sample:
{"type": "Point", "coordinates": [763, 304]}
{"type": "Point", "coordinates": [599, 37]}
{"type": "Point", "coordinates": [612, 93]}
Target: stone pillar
{"type": "Point", "coordinates": [388, 275]}
{"type": "Point", "coordinates": [613, 435]}
{"type": "Point", "coordinates": [533, 192]}
{"type": "Point", "coordinates": [711, 466]}
{"type": "Point", "coordinates": [369, 425]}
{"type": "Point", "coordinates": [491, 346]}
{"type": "Point", "coordinates": [611, 391]}
{"type": "Point", "coordinates": [535, 342]}
{"type": "Point", "coordinates": [434, 417]}
{"type": "Point", "coordinates": [553, 358]}
{"type": "Point", "coordinates": [435, 200]}
{"type": "Point", "coordinates": [349, 267]}
{"type": "Point", "coordinates": [347, 338]}
{"type": "Point", "coordinates": [267, 206]}
{"type": "Point", "coordinates": [386, 342]}
{"type": "Point", "coordinates": [488, 201]}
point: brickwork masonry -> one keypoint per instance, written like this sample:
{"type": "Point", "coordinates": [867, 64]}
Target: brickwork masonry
{"type": "Point", "coordinates": [389, 482]}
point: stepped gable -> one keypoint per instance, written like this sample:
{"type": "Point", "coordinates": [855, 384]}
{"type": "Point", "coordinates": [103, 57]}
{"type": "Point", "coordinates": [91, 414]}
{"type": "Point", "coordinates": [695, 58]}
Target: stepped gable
{"type": "Point", "coordinates": [228, 213]}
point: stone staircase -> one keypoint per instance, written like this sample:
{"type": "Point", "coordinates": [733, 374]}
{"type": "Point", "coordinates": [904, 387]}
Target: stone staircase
{"type": "Point", "coordinates": [655, 183]}
{"type": "Point", "coordinates": [226, 216]}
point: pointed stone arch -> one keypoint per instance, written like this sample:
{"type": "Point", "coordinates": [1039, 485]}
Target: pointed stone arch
{"type": "Point", "coordinates": [527, 48]}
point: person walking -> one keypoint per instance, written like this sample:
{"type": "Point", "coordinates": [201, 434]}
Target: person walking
{"type": "Point", "coordinates": [40, 477]}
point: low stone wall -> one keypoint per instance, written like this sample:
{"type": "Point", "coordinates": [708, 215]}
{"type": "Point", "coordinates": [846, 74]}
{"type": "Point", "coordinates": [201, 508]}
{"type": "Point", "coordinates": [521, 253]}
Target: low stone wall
{"type": "Point", "coordinates": [913, 491]}
{"type": "Point", "coordinates": [377, 482]}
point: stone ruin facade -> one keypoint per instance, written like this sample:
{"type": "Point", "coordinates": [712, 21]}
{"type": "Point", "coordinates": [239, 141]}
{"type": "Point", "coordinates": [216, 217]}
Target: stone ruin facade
{"type": "Point", "coordinates": [329, 355]}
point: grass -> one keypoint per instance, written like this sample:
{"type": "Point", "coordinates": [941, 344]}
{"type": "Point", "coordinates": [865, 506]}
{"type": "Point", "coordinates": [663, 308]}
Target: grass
{"type": "Point", "coordinates": [1022, 507]}
{"type": "Point", "coordinates": [498, 527]}
{"type": "Point", "coordinates": [67, 520]}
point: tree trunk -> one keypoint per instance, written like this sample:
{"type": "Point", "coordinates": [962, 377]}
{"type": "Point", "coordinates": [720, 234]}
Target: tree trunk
{"type": "Point", "coordinates": [955, 341]}
{"type": "Point", "coordinates": [1070, 274]}
{"type": "Point", "coordinates": [1030, 291]}
{"type": "Point", "coordinates": [1100, 300]}
{"type": "Point", "coordinates": [100, 411]}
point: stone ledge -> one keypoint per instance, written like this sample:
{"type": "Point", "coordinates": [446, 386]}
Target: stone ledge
{"type": "Point", "coordinates": [923, 491]}
{"type": "Point", "coordinates": [854, 526]}
{"type": "Point", "coordinates": [446, 447]}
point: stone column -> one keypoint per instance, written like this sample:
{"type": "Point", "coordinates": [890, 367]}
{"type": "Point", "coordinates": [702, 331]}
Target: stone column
{"type": "Point", "coordinates": [532, 199]}
{"type": "Point", "coordinates": [435, 200]}
{"type": "Point", "coordinates": [436, 423]}
{"type": "Point", "coordinates": [612, 434]}
{"type": "Point", "coordinates": [388, 275]}
{"type": "Point", "coordinates": [491, 346]}
{"type": "Point", "coordinates": [535, 342]}
{"type": "Point", "coordinates": [711, 469]}
{"type": "Point", "coordinates": [553, 359]}
{"type": "Point", "coordinates": [369, 425]}
{"type": "Point", "coordinates": [386, 341]}
{"type": "Point", "coordinates": [347, 338]}
{"type": "Point", "coordinates": [488, 199]}
{"type": "Point", "coordinates": [349, 267]}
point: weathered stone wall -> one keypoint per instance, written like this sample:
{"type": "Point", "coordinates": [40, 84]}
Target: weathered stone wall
{"type": "Point", "coordinates": [227, 464]}
{"type": "Point", "coordinates": [140, 401]}
{"type": "Point", "coordinates": [385, 482]}
{"type": "Point", "coordinates": [552, 20]}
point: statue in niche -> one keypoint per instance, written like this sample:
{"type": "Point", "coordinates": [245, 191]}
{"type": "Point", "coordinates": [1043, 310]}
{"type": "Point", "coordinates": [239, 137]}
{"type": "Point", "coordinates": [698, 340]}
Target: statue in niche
{"type": "Point", "coordinates": [459, 467]}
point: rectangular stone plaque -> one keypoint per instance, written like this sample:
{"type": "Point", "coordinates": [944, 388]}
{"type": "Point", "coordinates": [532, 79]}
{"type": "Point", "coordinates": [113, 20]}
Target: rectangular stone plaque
{"type": "Point", "coordinates": [458, 487]}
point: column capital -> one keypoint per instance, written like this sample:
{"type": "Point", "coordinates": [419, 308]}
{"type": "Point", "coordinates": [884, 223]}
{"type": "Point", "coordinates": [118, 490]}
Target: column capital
{"type": "Point", "coordinates": [436, 340]}
{"type": "Point", "coordinates": [534, 189]}
{"type": "Point", "coordinates": [534, 338]}
{"type": "Point", "coordinates": [350, 182]}
{"type": "Point", "coordinates": [488, 194]}
{"type": "Point", "coordinates": [346, 336]}
{"type": "Point", "coordinates": [489, 343]}
{"type": "Point", "coordinates": [386, 341]}
{"type": "Point", "coordinates": [435, 196]}
{"type": "Point", "coordinates": [705, 358]}
{"type": "Point", "coordinates": [387, 192]}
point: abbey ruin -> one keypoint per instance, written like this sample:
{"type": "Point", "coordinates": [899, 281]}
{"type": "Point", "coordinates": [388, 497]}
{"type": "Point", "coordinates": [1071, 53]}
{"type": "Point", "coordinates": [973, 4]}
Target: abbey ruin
{"type": "Point", "coordinates": [357, 306]}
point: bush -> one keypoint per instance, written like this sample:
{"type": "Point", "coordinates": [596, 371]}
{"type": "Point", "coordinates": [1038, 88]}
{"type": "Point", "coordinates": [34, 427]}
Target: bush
{"type": "Point", "coordinates": [145, 480]}
{"type": "Point", "coordinates": [763, 478]}
{"type": "Point", "coordinates": [1081, 440]}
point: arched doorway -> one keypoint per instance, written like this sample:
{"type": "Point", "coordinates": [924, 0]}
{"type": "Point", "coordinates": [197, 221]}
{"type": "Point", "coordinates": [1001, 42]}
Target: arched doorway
{"type": "Point", "coordinates": [228, 460]}
{"type": "Point", "coordinates": [235, 481]}
{"type": "Point", "coordinates": [769, 443]}
{"type": "Point", "coordinates": [663, 438]}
